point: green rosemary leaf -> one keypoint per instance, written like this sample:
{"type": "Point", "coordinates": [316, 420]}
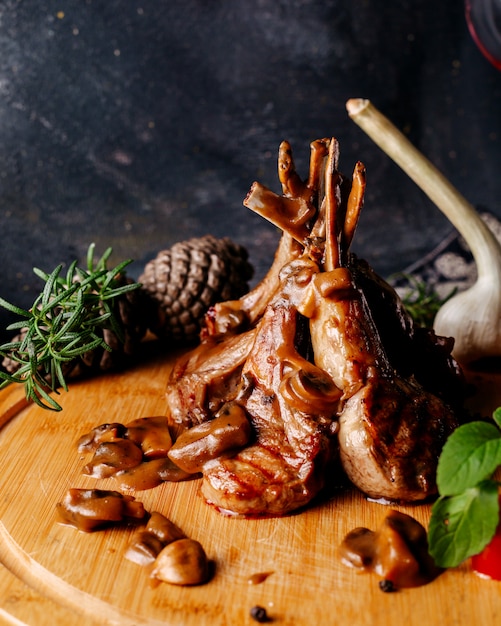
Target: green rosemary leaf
{"type": "Point", "coordinates": [101, 321]}
{"type": "Point", "coordinates": [41, 274]}
{"type": "Point", "coordinates": [421, 300]}
{"type": "Point", "coordinates": [14, 309]}
{"type": "Point", "coordinates": [120, 291]}
{"type": "Point", "coordinates": [10, 346]}
{"type": "Point", "coordinates": [113, 273]}
{"type": "Point", "coordinates": [38, 394]}
{"type": "Point", "coordinates": [112, 320]}
{"type": "Point", "coordinates": [20, 325]}
{"type": "Point", "coordinates": [71, 353]}
{"type": "Point", "coordinates": [70, 274]}
{"type": "Point", "coordinates": [60, 299]}
{"type": "Point", "coordinates": [90, 283]}
{"type": "Point", "coordinates": [90, 257]}
{"type": "Point", "coordinates": [47, 292]}
{"type": "Point", "coordinates": [7, 379]}
{"type": "Point", "coordinates": [57, 374]}
{"type": "Point", "coordinates": [66, 323]}
{"type": "Point", "coordinates": [102, 262]}
{"type": "Point", "coordinates": [67, 320]}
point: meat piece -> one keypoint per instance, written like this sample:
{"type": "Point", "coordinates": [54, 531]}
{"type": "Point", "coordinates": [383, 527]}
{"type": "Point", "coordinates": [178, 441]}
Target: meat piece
{"type": "Point", "coordinates": [323, 359]}
{"type": "Point", "coordinates": [294, 212]}
{"type": "Point", "coordinates": [292, 406]}
{"type": "Point", "coordinates": [413, 351]}
{"type": "Point", "coordinates": [391, 433]}
{"type": "Point", "coordinates": [206, 378]}
{"type": "Point", "coordinates": [236, 316]}
{"type": "Point", "coordinates": [391, 430]}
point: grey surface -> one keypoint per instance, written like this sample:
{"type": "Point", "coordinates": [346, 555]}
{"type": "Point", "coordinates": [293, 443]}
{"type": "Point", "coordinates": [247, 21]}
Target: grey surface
{"type": "Point", "coordinates": [140, 123]}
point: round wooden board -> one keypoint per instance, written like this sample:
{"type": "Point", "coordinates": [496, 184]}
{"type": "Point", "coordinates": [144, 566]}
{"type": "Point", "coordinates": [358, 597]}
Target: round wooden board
{"type": "Point", "coordinates": [54, 575]}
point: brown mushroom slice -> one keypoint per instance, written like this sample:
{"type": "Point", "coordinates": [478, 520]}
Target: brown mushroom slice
{"type": "Point", "coordinates": [90, 509]}
{"type": "Point", "coordinates": [151, 434]}
{"type": "Point", "coordinates": [111, 457]}
{"type": "Point", "coordinates": [182, 562]}
{"type": "Point", "coordinates": [163, 528]}
{"type": "Point", "coordinates": [229, 431]}
{"type": "Point", "coordinates": [150, 474]}
{"type": "Point", "coordinates": [143, 548]}
{"type": "Point", "coordinates": [307, 388]}
{"type": "Point", "coordinates": [169, 472]}
{"type": "Point", "coordinates": [147, 544]}
{"type": "Point", "coordinates": [397, 551]}
{"type": "Point", "coordinates": [105, 432]}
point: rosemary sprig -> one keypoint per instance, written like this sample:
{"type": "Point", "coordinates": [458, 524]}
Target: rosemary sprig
{"type": "Point", "coordinates": [65, 322]}
{"type": "Point", "coordinates": [421, 300]}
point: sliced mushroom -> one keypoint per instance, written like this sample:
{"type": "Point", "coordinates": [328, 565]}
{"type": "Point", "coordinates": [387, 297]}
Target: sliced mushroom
{"type": "Point", "coordinates": [229, 431]}
{"type": "Point", "coordinates": [398, 551]}
{"type": "Point", "coordinates": [163, 528]}
{"type": "Point", "coordinates": [182, 562]}
{"type": "Point", "coordinates": [144, 548]}
{"type": "Point", "coordinates": [147, 544]}
{"type": "Point", "coordinates": [152, 435]}
{"type": "Point", "coordinates": [150, 474]}
{"type": "Point", "coordinates": [111, 457]}
{"type": "Point", "coordinates": [105, 432]}
{"type": "Point", "coordinates": [90, 509]}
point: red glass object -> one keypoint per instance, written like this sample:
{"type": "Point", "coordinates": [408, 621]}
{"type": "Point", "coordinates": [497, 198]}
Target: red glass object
{"type": "Point", "coordinates": [484, 23]}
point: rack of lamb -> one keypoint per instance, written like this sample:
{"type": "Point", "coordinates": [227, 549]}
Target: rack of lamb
{"type": "Point", "coordinates": [316, 373]}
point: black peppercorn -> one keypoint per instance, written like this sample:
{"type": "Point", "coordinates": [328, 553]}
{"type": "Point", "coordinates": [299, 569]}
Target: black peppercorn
{"type": "Point", "coordinates": [387, 586]}
{"type": "Point", "coordinates": [259, 614]}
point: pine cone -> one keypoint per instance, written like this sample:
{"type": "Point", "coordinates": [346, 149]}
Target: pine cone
{"type": "Point", "coordinates": [189, 278]}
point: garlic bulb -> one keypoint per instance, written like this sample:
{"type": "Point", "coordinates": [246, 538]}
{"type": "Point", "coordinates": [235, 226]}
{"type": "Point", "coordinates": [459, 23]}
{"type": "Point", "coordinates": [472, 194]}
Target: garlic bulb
{"type": "Point", "coordinates": [472, 317]}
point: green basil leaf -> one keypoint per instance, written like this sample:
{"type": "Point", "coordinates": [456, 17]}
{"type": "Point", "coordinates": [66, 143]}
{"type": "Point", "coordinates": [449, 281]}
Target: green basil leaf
{"type": "Point", "coordinates": [471, 454]}
{"type": "Point", "coordinates": [496, 416]}
{"type": "Point", "coordinates": [462, 525]}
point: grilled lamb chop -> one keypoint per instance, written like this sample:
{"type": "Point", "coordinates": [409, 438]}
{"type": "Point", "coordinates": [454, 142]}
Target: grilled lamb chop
{"type": "Point", "coordinates": [208, 376]}
{"type": "Point", "coordinates": [292, 406]}
{"type": "Point", "coordinates": [391, 429]}
{"type": "Point", "coordinates": [293, 212]}
{"type": "Point", "coordinates": [323, 359]}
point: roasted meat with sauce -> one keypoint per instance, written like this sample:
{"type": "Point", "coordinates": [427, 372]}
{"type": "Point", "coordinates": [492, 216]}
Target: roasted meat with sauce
{"type": "Point", "coordinates": [292, 405]}
{"type": "Point", "coordinates": [323, 359]}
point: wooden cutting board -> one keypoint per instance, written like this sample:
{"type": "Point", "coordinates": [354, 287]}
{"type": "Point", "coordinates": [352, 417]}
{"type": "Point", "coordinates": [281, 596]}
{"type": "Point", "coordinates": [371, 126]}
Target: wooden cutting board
{"type": "Point", "coordinates": [54, 575]}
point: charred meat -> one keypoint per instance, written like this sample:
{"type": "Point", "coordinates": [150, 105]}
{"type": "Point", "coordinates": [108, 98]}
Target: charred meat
{"type": "Point", "coordinates": [322, 358]}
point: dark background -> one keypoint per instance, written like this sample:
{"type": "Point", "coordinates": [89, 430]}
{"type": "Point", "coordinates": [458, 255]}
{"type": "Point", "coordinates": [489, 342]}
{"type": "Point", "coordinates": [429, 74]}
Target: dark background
{"type": "Point", "coordinates": [140, 123]}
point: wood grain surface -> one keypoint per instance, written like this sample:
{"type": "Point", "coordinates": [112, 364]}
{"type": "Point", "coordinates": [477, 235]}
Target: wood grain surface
{"type": "Point", "coordinates": [54, 575]}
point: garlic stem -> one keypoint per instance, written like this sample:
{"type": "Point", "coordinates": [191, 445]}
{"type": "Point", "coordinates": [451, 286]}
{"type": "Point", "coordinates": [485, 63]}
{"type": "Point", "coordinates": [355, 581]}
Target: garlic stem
{"type": "Point", "coordinates": [483, 245]}
{"type": "Point", "coordinates": [473, 316]}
